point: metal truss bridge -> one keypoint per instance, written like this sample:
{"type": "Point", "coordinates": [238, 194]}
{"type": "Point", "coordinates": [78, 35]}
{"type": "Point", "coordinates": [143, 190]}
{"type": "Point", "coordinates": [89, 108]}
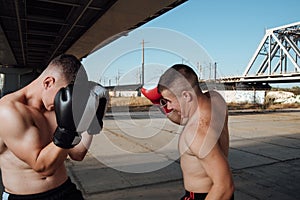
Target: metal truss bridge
{"type": "Point", "coordinates": [276, 60]}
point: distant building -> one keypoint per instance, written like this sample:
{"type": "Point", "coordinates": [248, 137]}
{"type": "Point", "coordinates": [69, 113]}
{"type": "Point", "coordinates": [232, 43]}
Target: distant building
{"type": "Point", "coordinates": [124, 90]}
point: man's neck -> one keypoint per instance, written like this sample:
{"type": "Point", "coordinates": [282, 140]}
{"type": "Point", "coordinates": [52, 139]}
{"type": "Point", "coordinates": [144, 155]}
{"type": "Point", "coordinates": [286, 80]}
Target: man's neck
{"type": "Point", "coordinates": [32, 96]}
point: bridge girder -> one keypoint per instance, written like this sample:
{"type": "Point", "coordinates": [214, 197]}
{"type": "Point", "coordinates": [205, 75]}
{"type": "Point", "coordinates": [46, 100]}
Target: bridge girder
{"type": "Point", "coordinates": [277, 57]}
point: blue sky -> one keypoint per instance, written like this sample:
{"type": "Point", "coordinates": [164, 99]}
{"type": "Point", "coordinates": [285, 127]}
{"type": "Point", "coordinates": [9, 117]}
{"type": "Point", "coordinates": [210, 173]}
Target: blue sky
{"type": "Point", "coordinates": [227, 31]}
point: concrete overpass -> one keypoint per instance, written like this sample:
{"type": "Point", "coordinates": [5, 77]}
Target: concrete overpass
{"type": "Point", "coordinates": [33, 32]}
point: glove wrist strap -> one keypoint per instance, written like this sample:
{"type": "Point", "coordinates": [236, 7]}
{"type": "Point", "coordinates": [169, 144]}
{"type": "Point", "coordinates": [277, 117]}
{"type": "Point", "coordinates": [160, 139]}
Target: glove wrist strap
{"type": "Point", "coordinates": [65, 139]}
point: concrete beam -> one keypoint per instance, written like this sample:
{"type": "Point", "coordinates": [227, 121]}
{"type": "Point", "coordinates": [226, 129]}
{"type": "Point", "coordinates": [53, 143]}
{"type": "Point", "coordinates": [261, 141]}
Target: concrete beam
{"type": "Point", "coordinates": [121, 18]}
{"type": "Point", "coordinates": [14, 70]}
{"type": "Point", "coordinates": [6, 55]}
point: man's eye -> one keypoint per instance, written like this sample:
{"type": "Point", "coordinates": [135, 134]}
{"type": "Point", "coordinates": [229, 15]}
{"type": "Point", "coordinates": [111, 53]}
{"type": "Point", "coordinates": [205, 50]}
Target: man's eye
{"type": "Point", "coordinates": [163, 102]}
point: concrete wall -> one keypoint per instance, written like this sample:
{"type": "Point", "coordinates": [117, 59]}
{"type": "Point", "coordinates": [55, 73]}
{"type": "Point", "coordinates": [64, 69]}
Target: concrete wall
{"type": "Point", "coordinates": [11, 82]}
{"type": "Point", "coordinates": [124, 93]}
{"type": "Point", "coordinates": [230, 96]}
{"type": "Point", "coordinates": [25, 79]}
{"type": "Point", "coordinates": [244, 96]}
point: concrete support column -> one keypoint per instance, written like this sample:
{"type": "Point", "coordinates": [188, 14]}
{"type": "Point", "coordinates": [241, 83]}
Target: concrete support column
{"type": "Point", "coordinates": [11, 83]}
{"type": "Point", "coordinates": [13, 78]}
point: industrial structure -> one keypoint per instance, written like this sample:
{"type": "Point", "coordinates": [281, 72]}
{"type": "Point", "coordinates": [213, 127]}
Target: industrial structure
{"type": "Point", "coordinates": [32, 32]}
{"type": "Point", "coordinates": [276, 60]}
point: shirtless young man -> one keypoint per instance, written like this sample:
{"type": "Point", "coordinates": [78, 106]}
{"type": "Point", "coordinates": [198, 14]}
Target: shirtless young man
{"type": "Point", "coordinates": [32, 162]}
{"type": "Point", "coordinates": [204, 141]}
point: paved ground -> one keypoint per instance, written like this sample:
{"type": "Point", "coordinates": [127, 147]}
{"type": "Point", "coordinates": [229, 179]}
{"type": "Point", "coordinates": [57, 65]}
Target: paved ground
{"type": "Point", "coordinates": [264, 156]}
{"type": "Point", "coordinates": [136, 157]}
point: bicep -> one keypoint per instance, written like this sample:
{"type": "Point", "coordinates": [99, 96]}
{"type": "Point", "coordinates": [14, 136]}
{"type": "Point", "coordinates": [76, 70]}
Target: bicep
{"type": "Point", "coordinates": [206, 147]}
{"type": "Point", "coordinates": [20, 137]}
{"type": "Point", "coordinates": [216, 166]}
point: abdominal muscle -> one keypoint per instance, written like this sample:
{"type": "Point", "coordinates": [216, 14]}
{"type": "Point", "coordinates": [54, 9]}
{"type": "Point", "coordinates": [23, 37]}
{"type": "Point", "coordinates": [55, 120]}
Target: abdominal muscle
{"type": "Point", "coordinates": [19, 178]}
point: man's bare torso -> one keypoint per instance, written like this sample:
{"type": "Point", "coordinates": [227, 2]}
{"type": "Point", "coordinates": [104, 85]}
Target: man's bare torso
{"type": "Point", "coordinates": [17, 176]}
{"type": "Point", "coordinates": [194, 174]}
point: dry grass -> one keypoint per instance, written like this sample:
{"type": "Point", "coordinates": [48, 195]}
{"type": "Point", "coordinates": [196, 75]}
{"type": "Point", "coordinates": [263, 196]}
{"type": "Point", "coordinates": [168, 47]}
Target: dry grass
{"type": "Point", "coordinates": [129, 101]}
{"type": "Point", "coordinates": [242, 106]}
{"type": "Point", "coordinates": [141, 103]}
{"type": "Point", "coordinates": [283, 106]}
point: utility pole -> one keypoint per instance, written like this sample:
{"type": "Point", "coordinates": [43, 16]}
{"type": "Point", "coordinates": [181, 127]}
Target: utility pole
{"type": "Point", "coordinates": [199, 67]}
{"type": "Point", "coordinates": [215, 71]}
{"type": "Point", "coordinates": [143, 63]}
{"type": "Point", "coordinates": [118, 77]}
{"type": "Point", "coordinates": [209, 78]}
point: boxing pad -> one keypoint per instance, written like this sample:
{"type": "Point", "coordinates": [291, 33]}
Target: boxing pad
{"type": "Point", "coordinates": [92, 118]}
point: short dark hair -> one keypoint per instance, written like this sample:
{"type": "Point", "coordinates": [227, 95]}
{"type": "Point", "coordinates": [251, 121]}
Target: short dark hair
{"type": "Point", "coordinates": [71, 67]}
{"type": "Point", "coordinates": [177, 78]}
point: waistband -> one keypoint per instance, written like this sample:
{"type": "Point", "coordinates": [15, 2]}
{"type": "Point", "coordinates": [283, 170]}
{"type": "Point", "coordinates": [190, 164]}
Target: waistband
{"type": "Point", "coordinates": [197, 196]}
{"type": "Point", "coordinates": [193, 196]}
{"type": "Point", "coordinates": [56, 191]}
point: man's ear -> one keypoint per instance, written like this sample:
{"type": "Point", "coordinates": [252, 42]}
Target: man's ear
{"type": "Point", "coordinates": [48, 82]}
{"type": "Point", "coordinates": [187, 96]}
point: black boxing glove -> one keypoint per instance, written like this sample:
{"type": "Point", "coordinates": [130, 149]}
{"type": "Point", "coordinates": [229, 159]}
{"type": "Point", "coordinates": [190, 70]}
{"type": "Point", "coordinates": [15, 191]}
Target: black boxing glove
{"type": "Point", "coordinates": [101, 95]}
{"type": "Point", "coordinates": [65, 135]}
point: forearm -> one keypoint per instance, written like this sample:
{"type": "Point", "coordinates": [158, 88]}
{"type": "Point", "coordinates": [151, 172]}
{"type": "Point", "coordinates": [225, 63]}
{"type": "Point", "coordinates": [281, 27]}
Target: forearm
{"type": "Point", "coordinates": [221, 192]}
{"type": "Point", "coordinates": [79, 151]}
{"type": "Point", "coordinates": [49, 159]}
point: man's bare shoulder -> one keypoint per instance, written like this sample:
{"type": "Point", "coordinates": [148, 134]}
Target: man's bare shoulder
{"type": "Point", "coordinates": [212, 115]}
{"type": "Point", "coordinates": [214, 96]}
{"type": "Point", "coordinates": [217, 103]}
{"type": "Point", "coordinates": [8, 108]}
{"type": "Point", "coordinates": [13, 113]}
{"type": "Point", "coordinates": [11, 103]}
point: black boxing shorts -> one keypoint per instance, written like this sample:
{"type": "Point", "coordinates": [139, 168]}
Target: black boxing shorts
{"type": "Point", "coordinates": [66, 191]}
